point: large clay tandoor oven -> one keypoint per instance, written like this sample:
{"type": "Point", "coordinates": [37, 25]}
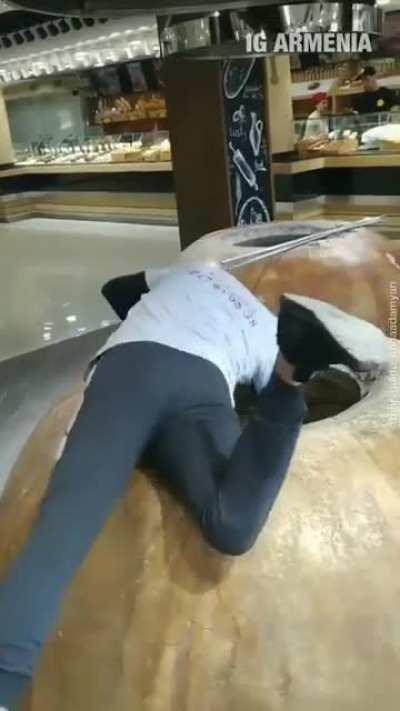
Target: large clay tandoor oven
{"type": "Point", "coordinates": [358, 271]}
{"type": "Point", "coordinates": [307, 621]}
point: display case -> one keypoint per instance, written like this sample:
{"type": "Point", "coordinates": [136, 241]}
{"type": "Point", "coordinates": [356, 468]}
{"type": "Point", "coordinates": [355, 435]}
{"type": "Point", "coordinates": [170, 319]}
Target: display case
{"type": "Point", "coordinates": [351, 133]}
{"type": "Point", "coordinates": [128, 147]}
{"type": "Point", "coordinates": [105, 115]}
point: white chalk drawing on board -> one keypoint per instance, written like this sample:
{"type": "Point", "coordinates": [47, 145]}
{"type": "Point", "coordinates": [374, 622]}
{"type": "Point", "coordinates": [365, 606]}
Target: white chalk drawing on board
{"type": "Point", "coordinates": [259, 166]}
{"type": "Point", "coordinates": [240, 116]}
{"type": "Point", "coordinates": [242, 165]}
{"type": "Point", "coordinates": [255, 210]}
{"type": "Point", "coordinates": [238, 191]}
{"type": "Point", "coordinates": [255, 134]}
{"type": "Point", "coordinates": [236, 74]}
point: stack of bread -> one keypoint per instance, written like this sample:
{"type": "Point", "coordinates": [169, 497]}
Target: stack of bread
{"type": "Point", "coordinates": [151, 106]}
{"type": "Point", "coordinates": [129, 152]}
{"type": "Point", "coordinates": [336, 143]}
{"type": "Point", "coordinates": [160, 151]}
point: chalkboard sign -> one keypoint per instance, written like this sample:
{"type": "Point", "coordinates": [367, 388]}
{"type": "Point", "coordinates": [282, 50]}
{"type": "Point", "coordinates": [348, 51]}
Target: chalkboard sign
{"type": "Point", "coordinates": [249, 156]}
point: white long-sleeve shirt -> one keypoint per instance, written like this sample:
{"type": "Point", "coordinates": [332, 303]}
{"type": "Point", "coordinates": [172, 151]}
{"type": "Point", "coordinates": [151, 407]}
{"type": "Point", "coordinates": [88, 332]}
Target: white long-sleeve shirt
{"type": "Point", "coordinates": [205, 311]}
{"type": "Point", "coordinates": [316, 125]}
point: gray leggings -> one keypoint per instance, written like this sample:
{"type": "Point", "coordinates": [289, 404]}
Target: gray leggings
{"type": "Point", "coordinates": [173, 410]}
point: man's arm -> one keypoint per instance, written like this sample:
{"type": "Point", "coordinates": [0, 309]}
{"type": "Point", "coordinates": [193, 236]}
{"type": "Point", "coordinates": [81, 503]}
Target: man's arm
{"type": "Point", "coordinates": [124, 292]}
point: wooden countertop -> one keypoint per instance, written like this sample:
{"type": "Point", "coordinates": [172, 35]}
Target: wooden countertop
{"type": "Point", "coordinates": [63, 169]}
{"type": "Point", "coordinates": [358, 160]}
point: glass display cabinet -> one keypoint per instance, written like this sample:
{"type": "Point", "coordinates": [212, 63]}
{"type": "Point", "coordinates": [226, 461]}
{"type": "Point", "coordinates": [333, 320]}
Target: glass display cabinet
{"type": "Point", "coordinates": [128, 147]}
{"type": "Point", "coordinates": [351, 133]}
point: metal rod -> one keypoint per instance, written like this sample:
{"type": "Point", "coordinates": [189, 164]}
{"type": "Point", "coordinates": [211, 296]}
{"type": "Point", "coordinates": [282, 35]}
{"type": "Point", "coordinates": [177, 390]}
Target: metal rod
{"type": "Point", "coordinates": [260, 253]}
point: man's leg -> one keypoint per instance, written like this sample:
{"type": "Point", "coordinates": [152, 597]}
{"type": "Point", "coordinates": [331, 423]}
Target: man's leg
{"type": "Point", "coordinates": [230, 478]}
{"type": "Point", "coordinates": [109, 434]}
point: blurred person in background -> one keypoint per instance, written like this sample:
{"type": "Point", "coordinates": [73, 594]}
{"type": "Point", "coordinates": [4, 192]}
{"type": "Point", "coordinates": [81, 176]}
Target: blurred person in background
{"type": "Point", "coordinates": [318, 122]}
{"type": "Point", "coordinates": [375, 98]}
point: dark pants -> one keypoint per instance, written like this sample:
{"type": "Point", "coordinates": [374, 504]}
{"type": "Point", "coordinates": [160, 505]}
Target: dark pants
{"type": "Point", "coordinates": [175, 409]}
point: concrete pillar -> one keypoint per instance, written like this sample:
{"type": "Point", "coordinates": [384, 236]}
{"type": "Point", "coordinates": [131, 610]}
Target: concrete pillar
{"type": "Point", "coordinates": [199, 151]}
{"type": "Point", "coordinates": [6, 146]}
{"type": "Point", "coordinates": [220, 144]}
{"type": "Point", "coordinates": [279, 106]}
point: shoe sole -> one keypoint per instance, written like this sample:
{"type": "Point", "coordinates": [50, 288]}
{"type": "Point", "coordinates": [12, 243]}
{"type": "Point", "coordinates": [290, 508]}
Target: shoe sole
{"type": "Point", "coordinates": [365, 344]}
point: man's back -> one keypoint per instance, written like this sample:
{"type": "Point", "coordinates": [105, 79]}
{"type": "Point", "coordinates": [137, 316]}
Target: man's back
{"type": "Point", "coordinates": [205, 311]}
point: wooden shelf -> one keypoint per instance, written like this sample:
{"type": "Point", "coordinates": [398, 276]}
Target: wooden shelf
{"type": "Point", "coordinates": [386, 76]}
{"type": "Point", "coordinates": [352, 91]}
{"type": "Point", "coordinates": [302, 103]}
{"type": "Point", "coordinates": [391, 81]}
{"type": "Point", "coordinates": [339, 93]}
{"type": "Point", "coordinates": [380, 159]}
{"type": "Point", "coordinates": [135, 126]}
{"type": "Point", "coordinates": [134, 95]}
{"type": "Point", "coordinates": [81, 168]}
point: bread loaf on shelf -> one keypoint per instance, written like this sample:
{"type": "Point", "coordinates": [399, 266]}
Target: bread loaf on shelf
{"type": "Point", "coordinates": [322, 146]}
{"type": "Point", "coordinates": [151, 154]}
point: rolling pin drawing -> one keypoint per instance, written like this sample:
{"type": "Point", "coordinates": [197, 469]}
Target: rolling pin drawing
{"type": "Point", "coordinates": [243, 166]}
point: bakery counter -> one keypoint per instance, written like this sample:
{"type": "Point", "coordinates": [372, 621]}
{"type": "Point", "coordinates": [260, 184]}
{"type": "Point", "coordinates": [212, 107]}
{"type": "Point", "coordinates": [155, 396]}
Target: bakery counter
{"type": "Point", "coordinates": [343, 185]}
{"type": "Point", "coordinates": [137, 191]}
{"type": "Point", "coordinates": [294, 166]}
{"type": "Point", "coordinates": [370, 159]}
{"type": "Point", "coordinates": [84, 168]}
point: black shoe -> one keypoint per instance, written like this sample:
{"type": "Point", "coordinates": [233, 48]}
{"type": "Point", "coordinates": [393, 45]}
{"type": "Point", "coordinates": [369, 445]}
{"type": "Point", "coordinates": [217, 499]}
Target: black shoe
{"type": "Point", "coordinates": [313, 335]}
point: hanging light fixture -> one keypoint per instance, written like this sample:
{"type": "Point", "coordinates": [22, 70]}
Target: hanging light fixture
{"type": "Point", "coordinates": [112, 8]}
{"type": "Point", "coordinates": [90, 46]}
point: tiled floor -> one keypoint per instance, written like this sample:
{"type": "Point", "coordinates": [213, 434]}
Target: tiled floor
{"type": "Point", "coordinates": [51, 272]}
